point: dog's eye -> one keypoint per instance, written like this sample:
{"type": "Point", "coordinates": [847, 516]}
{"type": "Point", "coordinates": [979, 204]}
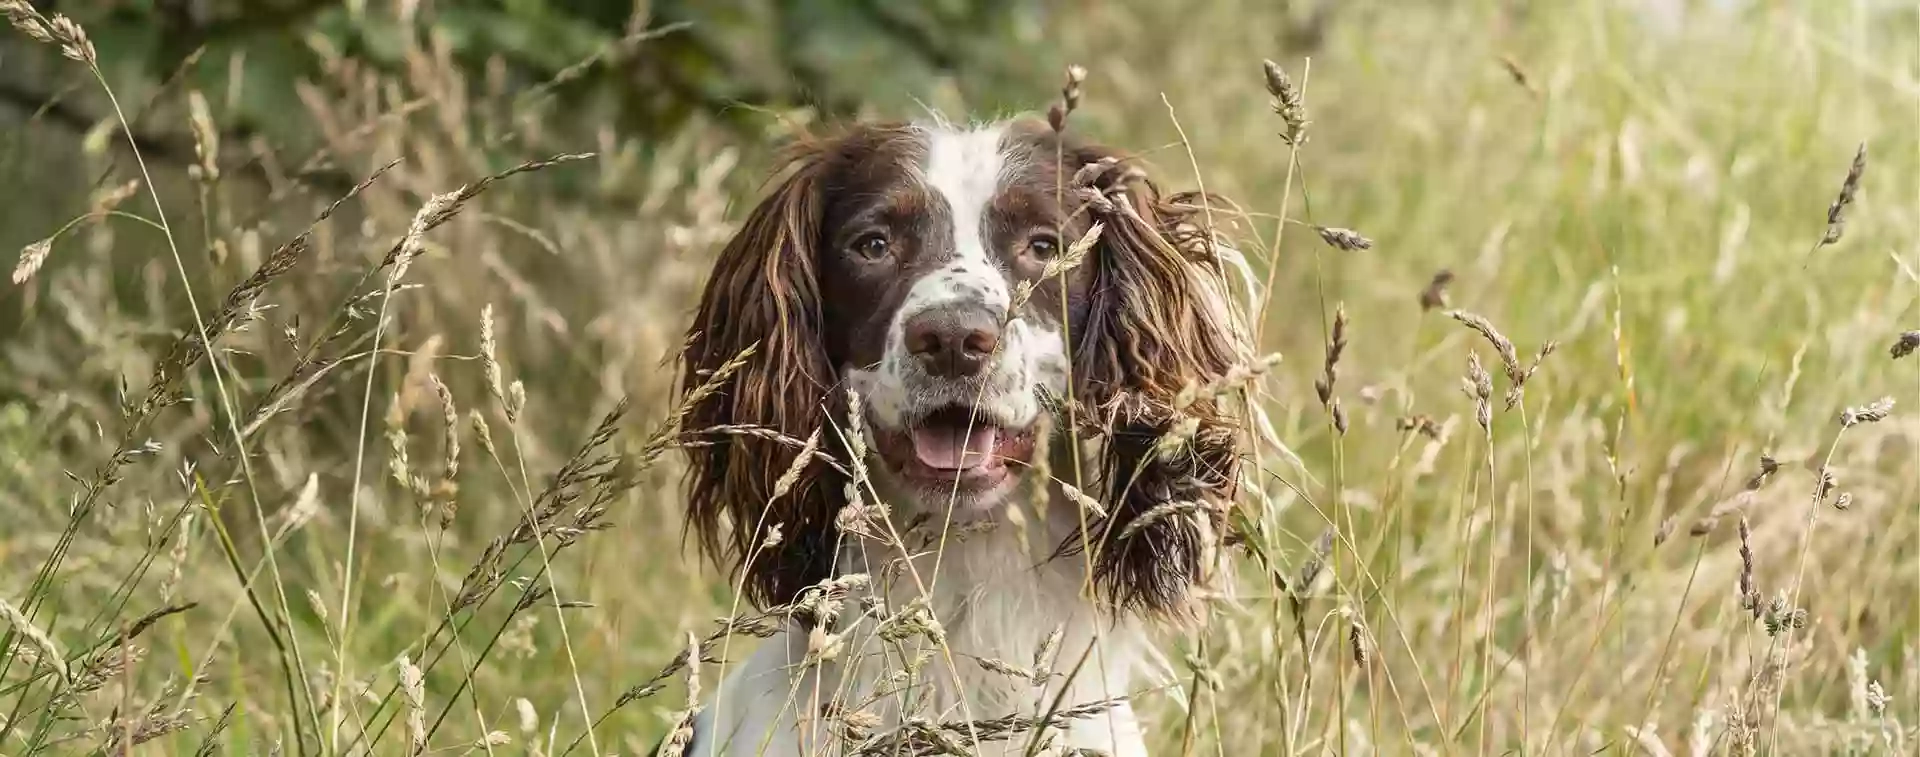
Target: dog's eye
{"type": "Point", "coordinates": [1044, 246]}
{"type": "Point", "coordinates": [871, 246]}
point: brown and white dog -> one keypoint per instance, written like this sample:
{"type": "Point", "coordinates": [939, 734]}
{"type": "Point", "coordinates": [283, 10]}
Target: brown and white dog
{"type": "Point", "coordinates": [903, 263]}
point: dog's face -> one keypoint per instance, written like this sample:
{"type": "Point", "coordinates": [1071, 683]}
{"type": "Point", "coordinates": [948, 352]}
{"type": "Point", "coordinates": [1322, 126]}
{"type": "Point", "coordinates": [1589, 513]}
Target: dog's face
{"type": "Point", "coordinates": [927, 235]}
{"type": "Point", "coordinates": [904, 264]}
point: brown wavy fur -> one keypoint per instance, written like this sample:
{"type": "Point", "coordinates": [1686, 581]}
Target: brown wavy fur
{"type": "Point", "coordinates": [1158, 321]}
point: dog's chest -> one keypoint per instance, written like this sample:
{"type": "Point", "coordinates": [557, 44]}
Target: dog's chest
{"type": "Point", "coordinates": [991, 646]}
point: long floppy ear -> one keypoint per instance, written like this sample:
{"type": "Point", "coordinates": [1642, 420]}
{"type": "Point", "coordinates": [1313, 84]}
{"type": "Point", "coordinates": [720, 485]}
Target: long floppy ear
{"type": "Point", "coordinates": [763, 295]}
{"type": "Point", "coordinates": [1158, 322]}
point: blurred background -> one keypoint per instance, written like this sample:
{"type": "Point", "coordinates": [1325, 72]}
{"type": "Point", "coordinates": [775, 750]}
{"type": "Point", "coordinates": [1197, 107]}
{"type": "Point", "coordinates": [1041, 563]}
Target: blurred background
{"type": "Point", "coordinates": [1611, 567]}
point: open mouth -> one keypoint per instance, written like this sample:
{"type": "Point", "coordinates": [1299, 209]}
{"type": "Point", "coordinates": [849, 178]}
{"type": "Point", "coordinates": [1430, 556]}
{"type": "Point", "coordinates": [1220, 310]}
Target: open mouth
{"type": "Point", "coordinates": [954, 445]}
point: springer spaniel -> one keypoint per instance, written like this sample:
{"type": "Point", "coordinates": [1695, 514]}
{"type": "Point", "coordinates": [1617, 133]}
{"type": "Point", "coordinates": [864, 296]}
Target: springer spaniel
{"type": "Point", "coordinates": [938, 584]}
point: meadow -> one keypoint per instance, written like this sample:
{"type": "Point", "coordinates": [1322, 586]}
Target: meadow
{"type": "Point", "coordinates": [1604, 443]}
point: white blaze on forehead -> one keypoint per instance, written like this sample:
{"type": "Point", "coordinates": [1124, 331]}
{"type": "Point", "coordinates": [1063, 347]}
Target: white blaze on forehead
{"type": "Point", "coordinates": [964, 168]}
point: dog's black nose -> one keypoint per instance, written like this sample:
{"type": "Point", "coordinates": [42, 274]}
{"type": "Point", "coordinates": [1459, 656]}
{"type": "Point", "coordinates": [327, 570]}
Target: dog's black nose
{"type": "Point", "coordinates": [953, 342]}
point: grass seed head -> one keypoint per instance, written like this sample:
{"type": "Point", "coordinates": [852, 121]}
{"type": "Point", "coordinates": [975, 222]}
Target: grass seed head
{"type": "Point", "coordinates": [1480, 386]}
{"type": "Point", "coordinates": [1346, 240]}
{"type": "Point", "coordinates": [1872, 412]}
{"type": "Point", "coordinates": [1419, 424]}
{"type": "Point", "coordinates": [413, 686]}
{"type": "Point", "coordinates": [1084, 500]}
{"type": "Point", "coordinates": [1768, 467]}
{"type": "Point", "coordinates": [49, 651]}
{"type": "Point", "coordinates": [1336, 347]}
{"type": "Point", "coordinates": [1905, 345]}
{"type": "Point", "coordinates": [1069, 98]}
{"type": "Point", "coordinates": [1837, 212]}
{"type": "Point", "coordinates": [57, 30]}
{"type": "Point", "coordinates": [206, 138]}
{"type": "Point", "coordinates": [1434, 296]}
{"type": "Point", "coordinates": [1749, 593]}
{"type": "Point", "coordinates": [32, 257]}
{"type": "Point", "coordinates": [1509, 359]}
{"type": "Point", "coordinates": [1288, 101]}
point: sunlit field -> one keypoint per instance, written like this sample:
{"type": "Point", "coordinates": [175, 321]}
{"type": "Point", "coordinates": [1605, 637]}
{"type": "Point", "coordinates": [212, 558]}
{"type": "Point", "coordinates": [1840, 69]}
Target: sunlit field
{"type": "Point", "coordinates": [1602, 442]}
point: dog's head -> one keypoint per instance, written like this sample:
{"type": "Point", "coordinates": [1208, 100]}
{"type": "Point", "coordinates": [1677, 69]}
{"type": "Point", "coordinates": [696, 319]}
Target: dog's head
{"type": "Point", "coordinates": [911, 264]}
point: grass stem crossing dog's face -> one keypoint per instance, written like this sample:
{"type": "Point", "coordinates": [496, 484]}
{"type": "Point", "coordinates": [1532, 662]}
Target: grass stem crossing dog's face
{"type": "Point", "coordinates": [920, 267]}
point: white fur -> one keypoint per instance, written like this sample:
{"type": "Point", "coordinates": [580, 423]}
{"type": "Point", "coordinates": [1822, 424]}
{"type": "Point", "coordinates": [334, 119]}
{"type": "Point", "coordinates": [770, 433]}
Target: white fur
{"type": "Point", "coordinates": [964, 167]}
{"type": "Point", "coordinates": [995, 600]}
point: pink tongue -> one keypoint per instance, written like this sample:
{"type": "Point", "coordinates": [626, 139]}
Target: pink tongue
{"type": "Point", "coordinates": [954, 448]}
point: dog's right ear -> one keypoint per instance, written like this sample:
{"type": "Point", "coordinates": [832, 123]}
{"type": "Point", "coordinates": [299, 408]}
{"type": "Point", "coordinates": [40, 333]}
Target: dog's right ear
{"type": "Point", "coordinates": [764, 295]}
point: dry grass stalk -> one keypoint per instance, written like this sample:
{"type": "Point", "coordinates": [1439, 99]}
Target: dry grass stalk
{"type": "Point", "coordinates": [210, 744]}
{"type": "Point", "coordinates": [441, 206]}
{"type": "Point", "coordinates": [1419, 424]}
{"type": "Point", "coordinates": [123, 735]}
{"type": "Point", "coordinates": [1059, 265]}
{"type": "Point", "coordinates": [177, 556]}
{"type": "Point", "coordinates": [1043, 655]}
{"type": "Point", "coordinates": [49, 651]}
{"type": "Point", "coordinates": [1159, 513]}
{"type": "Point", "coordinates": [34, 255]}
{"type": "Point", "coordinates": [1236, 376]}
{"type": "Point", "coordinates": [1357, 641]}
{"type": "Point", "coordinates": [489, 359]}
{"type": "Point", "coordinates": [681, 736]}
{"type": "Point", "coordinates": [305, 507]}
{"type": "Point", "coordinates": [1316, 562]}
{"type": "Point", "coordinates": [482, 432]}
{"type": "Point", "coordinates": [1084, 500]}
{"type": "Point", "coordinates": [1004, 668]}
{"type": "Point", "coordinates": [1665, 530]}
{"type": "Point", "coordinates": [1174, 442]}
{"type": "Point", "coordinates": [1434, 296]}
{"type": "Point", "coordinates": [1648, 741]}
{"type": "Point", "coordinates": [1518, 74]}
{"type": "Point", "coordinates": [1877, 699]}
{"type": "Point", "coordinates": [399, 464]}
{"type": "Point", "coordinates": [1288, 102]}
{"type": "Point", "coordinates": [1706, 524]}
{"type": "Point", "coordinates": [413, 686]}
{"type": "Point", "coordinates": [1837, 212]}
{"type": "Point", "coordinates": [1517, 391]}
{"type": "Point", "coordinates": [1768, 467]}
{"type": "Point", "coordinates": [111, 198]}
{"type": "Point", "coordinates": [1828, 482]}
{"type": "Point", "coordinates": [1781, 616]}
{"type": "Point", "coordinates": [1069, 98]}
{"type": "Point", "coordinates": [791, 475]}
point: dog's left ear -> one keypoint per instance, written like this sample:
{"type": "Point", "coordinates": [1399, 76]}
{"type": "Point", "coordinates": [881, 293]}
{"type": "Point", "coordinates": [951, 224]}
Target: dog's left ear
{"type": "Point", "coordinates": [1159, 321]}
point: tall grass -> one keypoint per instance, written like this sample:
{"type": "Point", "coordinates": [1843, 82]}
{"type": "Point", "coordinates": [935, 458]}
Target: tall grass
{"type": "Point", "coordinates": [402, 479]}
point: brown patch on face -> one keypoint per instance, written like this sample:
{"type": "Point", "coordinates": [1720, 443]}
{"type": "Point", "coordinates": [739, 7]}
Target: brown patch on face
{"type": "Point", "coordinates": [1033, 205]}
{"type": "Point", "coordinates": [873, 190]}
